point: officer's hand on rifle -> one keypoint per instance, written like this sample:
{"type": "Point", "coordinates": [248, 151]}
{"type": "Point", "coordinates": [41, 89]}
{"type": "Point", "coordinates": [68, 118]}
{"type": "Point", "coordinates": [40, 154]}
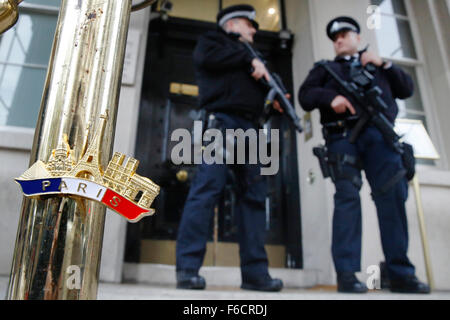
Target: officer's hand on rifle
{"type": "Point", "coordinates": [371, 57]}
{"type": "Point", "coordinates": [259, 70]}
{"type": "Point", "coordinates": [340, 104]}
{"type": "Point", "coordinates": [276, 105]}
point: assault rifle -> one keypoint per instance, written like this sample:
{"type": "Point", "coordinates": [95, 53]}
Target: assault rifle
{"type": "Point", "coordinates": [369, 103]}
{"type": "Point", "coordinates": [277, 91]}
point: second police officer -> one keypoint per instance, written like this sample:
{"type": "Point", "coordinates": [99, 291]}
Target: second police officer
{"type": "Point", "coordinates": [370, 152]}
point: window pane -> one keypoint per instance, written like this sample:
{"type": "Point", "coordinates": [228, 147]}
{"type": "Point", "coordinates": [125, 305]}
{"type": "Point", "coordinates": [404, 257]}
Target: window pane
{"type": "Point", "coordinates": [399, 7]}
{"type": "Point", "coordinates": [54, 3]}
{"type": "Point", "coordinates": [404, 114]}
{"type": "Point", "coordinates": [30, 40]}
{"type": "Point", "coordinates": [395, 38]}
{"type": "Point", "coordinates": [391, 6]}
{"type": "Point", "coordinates": [414, 117]}
{"type": "Point", "coordinates": [412, 108]}
{"type": "Point", "coordinates": [267, 12]}
{"type": "Point", "coordinates": [414, 103]}
{"type": "Point", "coordinates": [20, 95]}
{"type": "Point", "coordinates": [190, 9]}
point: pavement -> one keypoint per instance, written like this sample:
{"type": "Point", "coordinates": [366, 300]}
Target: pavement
{"type": "Point", "coordinates": [129, 291]}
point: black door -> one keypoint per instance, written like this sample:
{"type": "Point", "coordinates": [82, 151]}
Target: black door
{"type": "Point", "coordinates": [169, 102]}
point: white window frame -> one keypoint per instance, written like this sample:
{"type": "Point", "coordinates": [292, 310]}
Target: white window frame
{"type": "Point", "coordinates": [421, 74]}
{"type": "Point", "coordinates": [423, 85]}
{"type": "Point", "coordinates": [408, 62]}
{"type": "Point", "coordinates": [21, 138]}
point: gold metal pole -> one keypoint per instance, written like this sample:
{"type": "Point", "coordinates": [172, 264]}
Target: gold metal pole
{"type": "Point", "coordinates": [59, 235]}
{"type": "Point", "coordinates": [423, 233]}
{"type": "Point", "coordinates": [8, 14]}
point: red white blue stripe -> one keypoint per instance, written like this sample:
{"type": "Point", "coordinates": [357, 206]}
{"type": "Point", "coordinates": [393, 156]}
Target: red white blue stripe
{"type": "Point", "coordinates": [85, 189]}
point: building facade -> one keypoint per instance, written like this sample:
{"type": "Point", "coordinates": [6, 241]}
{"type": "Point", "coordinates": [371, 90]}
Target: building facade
{"type": "Point", "coordinates": [158, 95]}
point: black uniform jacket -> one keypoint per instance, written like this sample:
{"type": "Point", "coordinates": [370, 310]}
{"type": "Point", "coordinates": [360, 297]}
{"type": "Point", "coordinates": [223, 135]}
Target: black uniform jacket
{"type": "Point", "coordinates": [223, 75]}
{"type": "Point", "coordinates": [319, 89]}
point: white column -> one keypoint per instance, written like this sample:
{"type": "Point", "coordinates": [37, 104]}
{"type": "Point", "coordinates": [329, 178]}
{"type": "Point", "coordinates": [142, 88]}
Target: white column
{"type": "Point", "coordinates": [125, 139]}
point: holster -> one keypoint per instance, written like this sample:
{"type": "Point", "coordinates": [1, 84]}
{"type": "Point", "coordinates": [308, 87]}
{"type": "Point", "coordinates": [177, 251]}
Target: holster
{"type": "Point", "coordinates": [409, 161]}
{"type": "Point", "coordinates": [331, 165]}
{"type": "Point", "coordinates": [321, 152]}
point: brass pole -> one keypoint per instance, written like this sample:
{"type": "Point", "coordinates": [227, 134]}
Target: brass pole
{"type": "Point", "coordinates": [8, 14]}
{"type": "Point", "coordinates": [423, 234]}
{"type": "Point", "coordinates": [59, 240]}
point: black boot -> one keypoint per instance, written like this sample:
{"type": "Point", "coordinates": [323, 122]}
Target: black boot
{"type": "Point", "coordinates": [384, 278]}
{"type": "Point", "coordinates": [190, 280]}
{"type": "Point", "coordinates": [347, 282]}
{"type": "Point", "coordinates": [409, 284]}
{"type": "Point", "coordinates": [265, 283]}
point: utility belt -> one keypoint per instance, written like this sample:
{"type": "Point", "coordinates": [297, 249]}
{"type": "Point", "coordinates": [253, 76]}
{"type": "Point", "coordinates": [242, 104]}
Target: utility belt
{"type": "Point", "coordinates": [332, 164]}
{"type": "Point", "coordinates": [344, 126]}
{"type": "Point", "coordinates": [210, 121]}
{"type": "Point", "coordinates": [339, 127]}
{"type": "Point", "coordinates": [247, 115]}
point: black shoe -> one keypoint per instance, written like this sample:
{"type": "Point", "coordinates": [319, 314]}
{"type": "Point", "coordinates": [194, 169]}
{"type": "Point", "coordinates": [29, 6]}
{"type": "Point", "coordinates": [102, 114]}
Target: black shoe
{"type": "Point", "coordinates": [190, 280]}
{"type": "Point", "coordinates": [262, 284]}
{"type": "Point", "coordinates": [409, 284]}
{"type": "Point", "coordinates": [347, 282]}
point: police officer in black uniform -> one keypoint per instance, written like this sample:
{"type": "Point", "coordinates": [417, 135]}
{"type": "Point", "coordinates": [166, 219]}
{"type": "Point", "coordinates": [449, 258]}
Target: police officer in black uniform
{"type": "Point", "coordinates": [382, 165]}
{"type": "Point", "coordinates": [227, 76]}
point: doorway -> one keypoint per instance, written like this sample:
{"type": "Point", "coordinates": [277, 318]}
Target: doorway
{"type": "Point", "coordinates": [169, 102]}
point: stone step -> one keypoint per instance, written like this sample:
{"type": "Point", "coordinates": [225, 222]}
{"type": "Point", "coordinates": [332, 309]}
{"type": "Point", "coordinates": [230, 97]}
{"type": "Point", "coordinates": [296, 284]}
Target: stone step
{"type": "Point", "coordinates": [158, 274]}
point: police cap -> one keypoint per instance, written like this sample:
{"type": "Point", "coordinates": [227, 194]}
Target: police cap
{"type": "Point", "coordinates": [237, 11]}
{"type": "Point", "coordinates": [340, 24]}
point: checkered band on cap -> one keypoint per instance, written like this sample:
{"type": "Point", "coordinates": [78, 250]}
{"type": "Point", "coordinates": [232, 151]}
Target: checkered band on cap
{"type": "Point", "coordinates": [250, 15]}
{"type": "Point", "coordinates": [337, 26]}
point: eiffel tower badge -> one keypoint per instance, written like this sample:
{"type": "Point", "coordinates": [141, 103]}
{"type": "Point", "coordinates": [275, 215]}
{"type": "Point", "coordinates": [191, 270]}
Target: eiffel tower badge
{"type": "Point", "coordinates": [118, 187]}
